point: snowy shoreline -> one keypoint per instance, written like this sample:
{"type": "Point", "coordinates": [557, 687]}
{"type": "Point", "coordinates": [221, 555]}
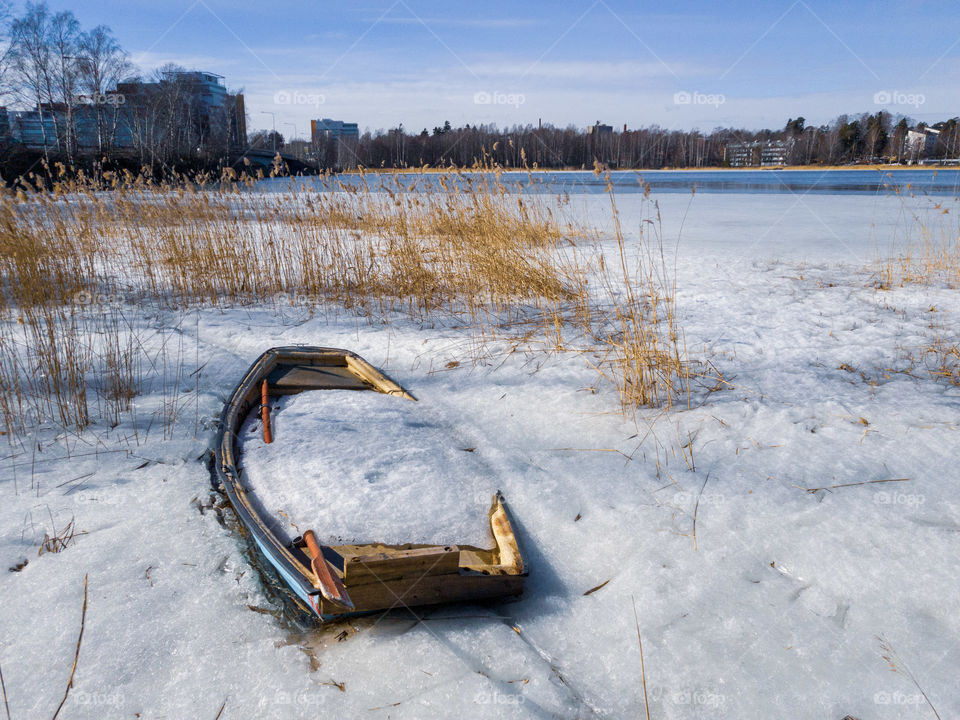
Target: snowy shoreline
{"type": "Point", "coordinates": [804, 570]}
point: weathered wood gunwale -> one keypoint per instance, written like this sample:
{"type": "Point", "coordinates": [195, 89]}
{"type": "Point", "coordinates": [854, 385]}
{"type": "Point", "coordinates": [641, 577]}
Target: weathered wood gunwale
{"type": "Point", "coordinates": [375, 576]}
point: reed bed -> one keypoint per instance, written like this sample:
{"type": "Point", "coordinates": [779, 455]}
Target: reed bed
{"type": "Point", "coordinates": [81, 264]}
{"type": "Point", "coordinates": [929, 252]}
{"type": "Point", "coordinates": [647, 360]}
{"type": "Point", "coordinates": [929, 255]}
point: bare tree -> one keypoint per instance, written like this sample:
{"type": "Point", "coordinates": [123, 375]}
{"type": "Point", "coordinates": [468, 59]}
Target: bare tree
{"type": "Point", "coordinates": [162, 118]}
{"type": "Point", "coordinates": [32, 61]}
{"type": "Point", "coordinates": [102, 64]}
{"type": "Point", "coordinates": [6, 50]}
{"type": "Point", "coordinates": [177, 136]}
{"type": "Point", "coordinates": [64, 36]}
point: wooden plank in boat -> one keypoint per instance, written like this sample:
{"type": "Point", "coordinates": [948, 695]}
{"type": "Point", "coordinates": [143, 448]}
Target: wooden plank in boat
{"type": "Point", "coordinates": [411, 564]}
{"type": "Point", "coordinates": [361, 368]}
{"type": "Point", "coordinates": [509, 552]}
{"type": "Point", "coordinates": [303, 377]}
{"type": "Point", "coordinates": [429, 590]}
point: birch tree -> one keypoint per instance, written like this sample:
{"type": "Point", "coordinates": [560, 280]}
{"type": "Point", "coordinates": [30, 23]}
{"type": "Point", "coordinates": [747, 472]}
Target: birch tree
{"type": "Point", "coordinates": [102, 64]}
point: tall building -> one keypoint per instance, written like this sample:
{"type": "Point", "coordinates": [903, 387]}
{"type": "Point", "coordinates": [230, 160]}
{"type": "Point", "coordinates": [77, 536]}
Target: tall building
{"type": "Point", "coordinates": [598, 129]}
{"type": "Point", "coordinates": [775, 152]}
{"type": "Point", "coordinates": [204, 102]}
{"type": "Point", "coordinates": [335, 142]}
{"type": "Point", "coordinates": [192, 106]}
{"type": "Point", "coordinates": [32, 128]}
{"type": "Point", "coordinates": [921, 144]}
{"type": "Point", "coordinates": [766, 153]}
{"type": "Point", "coordinates": [336, 129]}
{"type": "Point", "coordinates": [206, 88]}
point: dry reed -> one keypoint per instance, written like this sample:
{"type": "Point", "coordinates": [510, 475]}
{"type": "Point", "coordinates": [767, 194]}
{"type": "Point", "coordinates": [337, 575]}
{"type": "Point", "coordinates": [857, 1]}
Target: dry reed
{"type": "Point", "coordinates": [647, 362]}
{"type": "Point", "coordinates": [83, 263]}
{"type": "Point", "coordinates": [928, 252]}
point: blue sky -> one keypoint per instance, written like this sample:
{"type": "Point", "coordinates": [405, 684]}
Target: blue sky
{"type": "Point", "coordinates": [678, 64]}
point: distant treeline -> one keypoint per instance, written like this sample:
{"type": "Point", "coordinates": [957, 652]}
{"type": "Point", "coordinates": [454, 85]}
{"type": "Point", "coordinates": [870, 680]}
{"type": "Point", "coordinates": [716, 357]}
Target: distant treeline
{"type": "Point", "coordinates": [866, 138]}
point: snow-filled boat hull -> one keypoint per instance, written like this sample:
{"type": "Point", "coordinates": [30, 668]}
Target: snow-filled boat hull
{"type": "Point", "coordinates": [336, 581]}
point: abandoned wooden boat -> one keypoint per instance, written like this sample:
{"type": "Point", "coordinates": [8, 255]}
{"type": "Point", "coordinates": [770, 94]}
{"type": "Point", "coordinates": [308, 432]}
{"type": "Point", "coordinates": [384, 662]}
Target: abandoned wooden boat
{"type": "Point", "coordinates": [337, 580]}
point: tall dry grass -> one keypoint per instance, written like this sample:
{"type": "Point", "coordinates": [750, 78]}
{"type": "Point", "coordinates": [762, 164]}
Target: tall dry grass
{"type": "Point", "coordinates": [647, 361]}
{"type": "Point", "coordinates": [928, 255]}
{"type": "Point", "coordinates": [929, 250]}
{"type": "Point", "coordinates": [65, 353]}
{"type": "Point", "coordinates": [81, 263]}
{"type": "Point", "coordinates": [383, 250]}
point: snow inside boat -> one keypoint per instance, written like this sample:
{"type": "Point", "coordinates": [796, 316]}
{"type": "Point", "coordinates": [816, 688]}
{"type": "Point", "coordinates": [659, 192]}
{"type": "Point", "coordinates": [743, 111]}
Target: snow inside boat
{"type": "Point", "coordinates": [337, 580]}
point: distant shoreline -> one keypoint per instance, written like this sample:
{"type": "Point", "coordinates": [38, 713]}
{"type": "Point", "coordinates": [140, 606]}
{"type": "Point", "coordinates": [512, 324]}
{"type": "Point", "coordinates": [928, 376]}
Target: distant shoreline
{"type": "Point", "coordinates": [777, 168]}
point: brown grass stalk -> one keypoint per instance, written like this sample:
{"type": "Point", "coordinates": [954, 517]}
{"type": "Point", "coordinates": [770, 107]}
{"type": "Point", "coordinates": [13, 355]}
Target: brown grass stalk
{"type": "Point", "coordinates": [76, 654]}
{"type": "Point", "coordinates": [646, 362]}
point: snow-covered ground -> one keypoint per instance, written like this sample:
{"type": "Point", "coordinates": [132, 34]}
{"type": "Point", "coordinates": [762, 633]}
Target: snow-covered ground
{"type": "Point", "coordinates": [747, 538]}
{"type": "Point", "coordinates": [366, 467]}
